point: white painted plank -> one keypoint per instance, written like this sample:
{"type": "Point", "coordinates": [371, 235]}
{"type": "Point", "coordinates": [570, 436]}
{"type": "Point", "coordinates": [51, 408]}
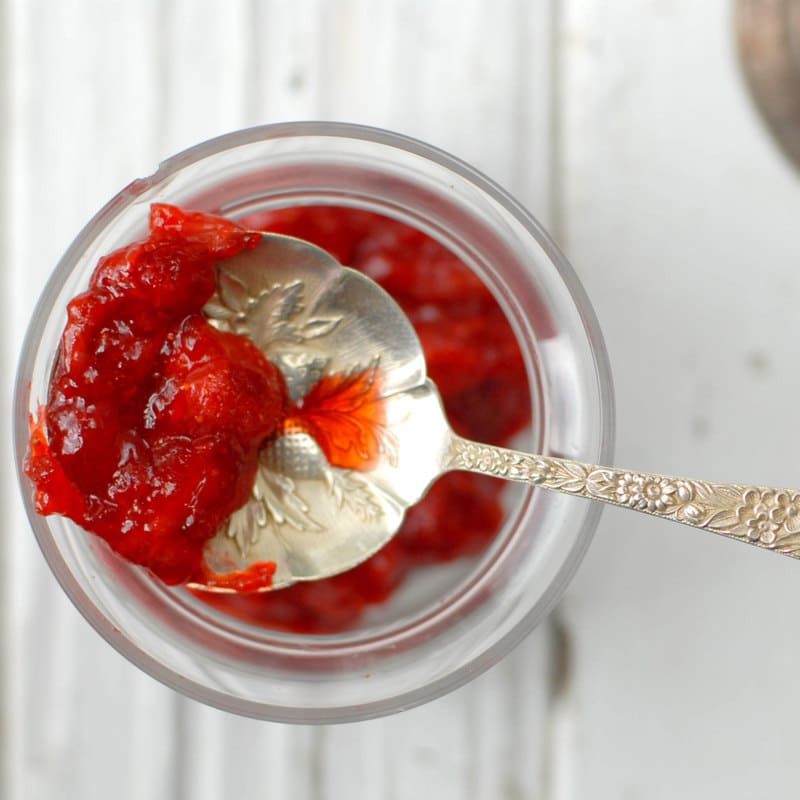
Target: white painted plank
{"type": "Point", "coordinates": [681, 218]}
{"type": "Point", "coordinates": [222, 755]}
{"type": "Point", "coordinates": [284, 78]}
{"type": "Point", "coordinates": [93, 725]}
{"type": "Point", "coordinates": [202, 78]}
{"type": "Point", "coordinates": [510, 718]}
{"type": "Point", "coordinates": [84, 723]}
{"type": "Point", "coordinates": [470, 77]}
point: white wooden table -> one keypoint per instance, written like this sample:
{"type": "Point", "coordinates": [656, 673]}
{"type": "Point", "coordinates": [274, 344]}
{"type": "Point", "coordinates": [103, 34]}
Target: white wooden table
{"type": "Point", "coordinates": [670, 668]}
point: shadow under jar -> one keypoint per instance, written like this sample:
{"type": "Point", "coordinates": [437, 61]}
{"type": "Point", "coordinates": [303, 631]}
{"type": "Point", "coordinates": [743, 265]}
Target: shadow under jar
{"type": "Point", "coordinates": [446, 622]}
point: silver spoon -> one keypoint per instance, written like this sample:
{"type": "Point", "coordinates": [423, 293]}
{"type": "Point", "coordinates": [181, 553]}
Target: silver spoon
{"type": "Point", "coordinates": [313, 317]}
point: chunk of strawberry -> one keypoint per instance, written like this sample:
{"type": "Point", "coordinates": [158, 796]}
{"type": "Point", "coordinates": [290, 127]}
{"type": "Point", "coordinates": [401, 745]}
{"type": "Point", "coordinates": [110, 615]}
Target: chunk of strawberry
{"type": "Point", "coordinates": [217, 236]}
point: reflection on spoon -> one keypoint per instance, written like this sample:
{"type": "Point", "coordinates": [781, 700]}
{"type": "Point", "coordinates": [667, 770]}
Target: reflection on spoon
{"type": "Point", "coordinates": [372, 435]}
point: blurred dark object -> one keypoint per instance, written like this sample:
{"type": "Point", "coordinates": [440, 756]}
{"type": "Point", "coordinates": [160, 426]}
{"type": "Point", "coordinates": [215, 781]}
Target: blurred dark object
{"type": "Point", "coordinates": [768, 33]}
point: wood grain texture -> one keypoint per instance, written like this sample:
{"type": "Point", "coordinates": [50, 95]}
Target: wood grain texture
{"type": "Point", "coordinates": [99, 92]}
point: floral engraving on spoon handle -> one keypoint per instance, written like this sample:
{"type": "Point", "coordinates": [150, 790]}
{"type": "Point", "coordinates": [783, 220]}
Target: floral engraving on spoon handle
{"type": "Point", "coordinates": [767, 518]}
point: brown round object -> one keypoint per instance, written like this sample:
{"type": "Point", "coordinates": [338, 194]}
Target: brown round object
{"type": "Point", "coordinates": [768, 33]}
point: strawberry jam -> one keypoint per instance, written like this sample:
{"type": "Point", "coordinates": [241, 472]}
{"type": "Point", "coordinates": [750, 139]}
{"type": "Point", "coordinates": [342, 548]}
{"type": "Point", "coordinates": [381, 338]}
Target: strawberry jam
{"type": "Point", "coordinates": [472, 356]}
{"type": "Point", "coordinates": [154, 419]}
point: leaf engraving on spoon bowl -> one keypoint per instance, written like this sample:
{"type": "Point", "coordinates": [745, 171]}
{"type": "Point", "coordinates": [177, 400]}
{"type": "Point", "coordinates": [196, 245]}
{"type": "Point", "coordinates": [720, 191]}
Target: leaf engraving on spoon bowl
{"type": "Point", "coordinates": [230, 301]}
{"type": "Point", "coordinates": [350, 491]}
{"type": "Point", "coordinates": [274, 502]}
{"type": "Point", "coordinates": [267, 316]}
{"type": "Point", "coordinates": [276, 505]}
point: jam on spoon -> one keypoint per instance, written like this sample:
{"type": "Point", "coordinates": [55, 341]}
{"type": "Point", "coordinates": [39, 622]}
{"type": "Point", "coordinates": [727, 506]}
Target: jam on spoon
{"type": "Point", "coordinates": [151, 433]}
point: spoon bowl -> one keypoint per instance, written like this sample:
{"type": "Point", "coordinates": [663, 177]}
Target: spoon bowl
{"type": "Point", "coordinates": [315, 319]}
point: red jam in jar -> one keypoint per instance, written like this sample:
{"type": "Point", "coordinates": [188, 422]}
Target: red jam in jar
{"type": "Point", "coordinates": [154, 420]}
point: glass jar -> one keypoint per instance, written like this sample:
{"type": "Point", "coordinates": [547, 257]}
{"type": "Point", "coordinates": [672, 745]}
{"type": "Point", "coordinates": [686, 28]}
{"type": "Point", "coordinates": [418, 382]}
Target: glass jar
{"type": "Point", "coordinates": [448, 624]}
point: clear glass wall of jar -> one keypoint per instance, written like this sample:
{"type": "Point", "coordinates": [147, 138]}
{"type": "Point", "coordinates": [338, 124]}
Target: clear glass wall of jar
{"type": "Point", "coordinates": [458, 620]}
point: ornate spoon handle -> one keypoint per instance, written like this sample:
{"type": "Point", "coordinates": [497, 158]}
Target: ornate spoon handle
{"type": "Point", "coordinates": [767, 518]}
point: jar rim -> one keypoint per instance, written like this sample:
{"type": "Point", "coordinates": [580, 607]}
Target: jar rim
{"type": "Point", "coordinates": [335, 131]}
